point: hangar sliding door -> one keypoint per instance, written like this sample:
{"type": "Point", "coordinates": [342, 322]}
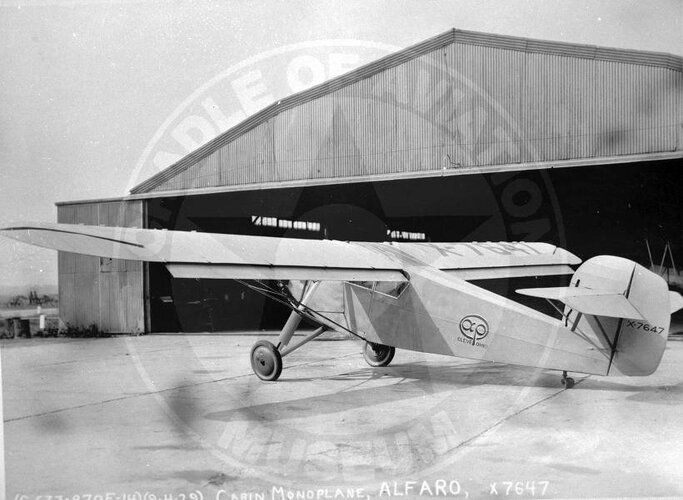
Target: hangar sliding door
{"type": "Point", "coordinates": [101, 291]}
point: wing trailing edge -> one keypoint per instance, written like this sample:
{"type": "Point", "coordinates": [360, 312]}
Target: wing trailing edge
{"type": "Point", "coordinates": [254, 272]}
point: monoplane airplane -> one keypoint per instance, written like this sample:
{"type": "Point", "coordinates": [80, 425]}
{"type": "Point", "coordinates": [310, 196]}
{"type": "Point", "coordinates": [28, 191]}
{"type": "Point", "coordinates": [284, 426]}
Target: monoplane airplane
{"type": "Point", "coordinates": [415, 296]}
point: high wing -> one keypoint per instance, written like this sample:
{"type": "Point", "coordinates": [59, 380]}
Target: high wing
{"type": "Point", "coordinates": [230, 256]}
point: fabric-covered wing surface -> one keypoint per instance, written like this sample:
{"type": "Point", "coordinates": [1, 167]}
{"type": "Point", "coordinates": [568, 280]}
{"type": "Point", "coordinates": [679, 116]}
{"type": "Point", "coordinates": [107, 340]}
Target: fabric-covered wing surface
{"type": "Point", "coordinates": [483, 260]}
{"type": "Point", "coordinates": [194, 254]}
{"type": "Point", "coordinates": [232, 256]}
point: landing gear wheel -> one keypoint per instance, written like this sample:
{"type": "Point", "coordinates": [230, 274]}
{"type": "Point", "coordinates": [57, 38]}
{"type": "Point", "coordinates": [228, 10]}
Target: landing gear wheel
{"type": "Point", "coordinates": [266, 361]}
{"type": "Point", "coordinates": [567, 382]}
{"type": "Point", "coordinates": [377, 354]}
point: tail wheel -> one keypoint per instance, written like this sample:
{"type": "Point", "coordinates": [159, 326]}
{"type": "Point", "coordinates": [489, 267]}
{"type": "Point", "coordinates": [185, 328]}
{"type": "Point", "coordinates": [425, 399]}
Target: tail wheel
{"type": "Point", "coordinates": [266, 361]}
{"type": "Point", "coordinates": [377, 354]}
{"type": "Point", "coordinates": [567, 382]}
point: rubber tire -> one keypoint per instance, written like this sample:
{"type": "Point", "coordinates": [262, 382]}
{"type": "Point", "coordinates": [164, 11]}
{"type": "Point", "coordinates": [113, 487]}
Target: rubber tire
{"type": "Point", "coordinates": [266, 361]}
{"type": "Point", "coordinates": [377, 355]}
{"type": "Point", "coordinates": [568, 382]}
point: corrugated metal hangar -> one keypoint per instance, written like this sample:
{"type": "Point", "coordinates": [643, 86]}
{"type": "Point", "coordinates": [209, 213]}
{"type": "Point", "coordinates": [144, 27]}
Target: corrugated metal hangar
{"type": "Point", "coordinates": [465, 136]}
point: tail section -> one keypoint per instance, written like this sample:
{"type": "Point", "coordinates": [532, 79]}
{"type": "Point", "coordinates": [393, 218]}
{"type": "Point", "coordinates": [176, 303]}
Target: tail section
{"type": "Point", "coordinates": [623, 306]}
{"type": "Point", "coordinates": [640, 343]}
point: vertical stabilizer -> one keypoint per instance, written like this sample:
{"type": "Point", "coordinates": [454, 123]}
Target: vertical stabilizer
{"type": "Point", "coordinates": [637, 344]}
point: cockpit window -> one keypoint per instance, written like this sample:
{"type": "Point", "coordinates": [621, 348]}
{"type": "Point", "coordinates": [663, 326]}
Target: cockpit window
{"type": "Point", "coordinates": [390, 288]}
{"type": "Point", "coordinates": [364, 284]}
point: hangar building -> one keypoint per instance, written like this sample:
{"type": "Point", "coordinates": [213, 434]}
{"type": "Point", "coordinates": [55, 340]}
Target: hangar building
{"type": "Point", "coordinates": [465, 136]}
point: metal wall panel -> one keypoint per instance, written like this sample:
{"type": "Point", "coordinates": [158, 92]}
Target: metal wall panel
{"type": "Point", "coordinates": [98, 291]}
{"type": "Point", "coordinates": [468, 100]}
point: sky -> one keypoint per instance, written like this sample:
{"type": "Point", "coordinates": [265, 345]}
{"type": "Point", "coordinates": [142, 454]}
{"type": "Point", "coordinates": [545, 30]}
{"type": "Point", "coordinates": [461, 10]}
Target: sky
{"type": "Point", "coordinates": [87, 86]}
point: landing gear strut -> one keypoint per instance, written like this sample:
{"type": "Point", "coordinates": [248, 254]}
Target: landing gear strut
{"type": "Point", "coordinates": [377, 354]}
{"type": "Point", "coordinates": [266, 358]}
{"type": "Point", "coordinates": [567, 382]}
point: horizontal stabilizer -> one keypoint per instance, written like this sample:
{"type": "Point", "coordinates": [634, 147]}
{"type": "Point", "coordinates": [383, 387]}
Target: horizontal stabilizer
{"type": "Point", "coordinates": [589, 301]}
{"type": "Point", "coordinates": [676, 301]}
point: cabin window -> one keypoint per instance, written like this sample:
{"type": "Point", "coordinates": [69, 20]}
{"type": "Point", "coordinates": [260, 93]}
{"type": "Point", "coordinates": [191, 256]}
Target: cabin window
{"type": "Point", "coordinates": [364, 284]}
{"type": "Point", "coordinates": [390, 288]}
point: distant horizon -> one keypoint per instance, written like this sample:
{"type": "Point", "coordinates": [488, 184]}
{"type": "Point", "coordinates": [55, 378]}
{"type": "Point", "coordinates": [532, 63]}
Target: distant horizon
{"type": "Point", "coordinates": [13, 290]}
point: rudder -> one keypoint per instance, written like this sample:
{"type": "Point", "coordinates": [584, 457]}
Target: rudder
{"type": "Point", "coordinates": [637, 344]}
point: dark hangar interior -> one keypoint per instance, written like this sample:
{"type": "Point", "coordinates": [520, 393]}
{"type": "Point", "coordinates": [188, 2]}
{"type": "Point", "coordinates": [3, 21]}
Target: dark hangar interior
{"type": "Point", "coordinates": [463, 137]}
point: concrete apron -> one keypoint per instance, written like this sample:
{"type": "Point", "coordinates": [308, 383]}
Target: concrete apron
{"type": "Point", "coordinates": [182, 414]}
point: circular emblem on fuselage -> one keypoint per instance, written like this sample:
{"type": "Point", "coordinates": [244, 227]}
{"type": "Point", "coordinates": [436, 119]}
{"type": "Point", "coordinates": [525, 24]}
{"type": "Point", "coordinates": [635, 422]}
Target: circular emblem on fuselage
{"type": "Point", "coordinates": [474, 327]}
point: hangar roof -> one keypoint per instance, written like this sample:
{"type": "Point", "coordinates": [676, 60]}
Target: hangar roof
{"type": "Point", "coordinates": [570, 103]}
